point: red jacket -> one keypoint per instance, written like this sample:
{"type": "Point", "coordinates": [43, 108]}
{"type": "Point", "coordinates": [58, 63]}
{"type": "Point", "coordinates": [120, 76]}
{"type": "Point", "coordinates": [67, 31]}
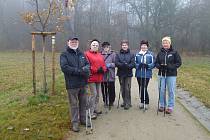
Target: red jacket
{"type": "Point", "coordinates": [96, 61]}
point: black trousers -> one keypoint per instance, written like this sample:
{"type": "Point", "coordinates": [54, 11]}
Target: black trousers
{"type": "Point", "coordinates": [143, 84]}
{"type": "Point", "coordinates": [108, 92]}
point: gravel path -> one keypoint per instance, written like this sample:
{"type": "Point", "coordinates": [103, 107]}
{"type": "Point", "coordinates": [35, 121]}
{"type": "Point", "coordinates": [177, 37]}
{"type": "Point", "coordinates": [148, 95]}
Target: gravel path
{"type": "Point", "coordinates": [134, 124]}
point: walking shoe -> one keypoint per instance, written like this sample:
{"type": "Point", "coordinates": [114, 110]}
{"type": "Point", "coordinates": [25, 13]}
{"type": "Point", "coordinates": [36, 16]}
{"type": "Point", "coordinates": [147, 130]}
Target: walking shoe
{"type": "Point", "coordinates": [161, 109]}
{"type": "Point", "coordinates": [122, 105]}
{"type": "Point", "coordinates": [75, 127]}
{"type": "Point", "coordinates": [141, 106]}
{"type": "Point", "coordinates": [98, 112]}
{"type": "Point", "coordinates": [146, 107]}
{"type": "Point", "coordinates": [126, 107]}
{"type": "Point", "coordinates": [169, 111]}
{"type": "Point", "coordinates": [94, 116]}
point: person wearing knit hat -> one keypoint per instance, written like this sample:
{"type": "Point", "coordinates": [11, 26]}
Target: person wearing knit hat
{"type": "Point", "coordinates": [97, 71]}
{"type": "Point", "coordinates": [167, 61]}
{"type": "Point", "coordinates": [108, 85]}
{"type": "Point", "coordinates": [167, 38]}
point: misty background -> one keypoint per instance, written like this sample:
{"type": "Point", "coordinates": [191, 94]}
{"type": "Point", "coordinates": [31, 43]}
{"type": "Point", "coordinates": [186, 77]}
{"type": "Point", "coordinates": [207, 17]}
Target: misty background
{"type": "Point", "coordinates": [186, 21]}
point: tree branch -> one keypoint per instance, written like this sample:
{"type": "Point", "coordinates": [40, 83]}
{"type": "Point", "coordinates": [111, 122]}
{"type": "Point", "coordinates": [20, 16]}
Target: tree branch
{"type": "Point", "coordinates": [37, 11]}
{"type": "Point", "coordinates": [48, 15]}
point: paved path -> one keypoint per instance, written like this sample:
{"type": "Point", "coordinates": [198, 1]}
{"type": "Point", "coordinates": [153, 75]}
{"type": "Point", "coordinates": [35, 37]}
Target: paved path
{"type": "Point", "coordinates": [133, 124]}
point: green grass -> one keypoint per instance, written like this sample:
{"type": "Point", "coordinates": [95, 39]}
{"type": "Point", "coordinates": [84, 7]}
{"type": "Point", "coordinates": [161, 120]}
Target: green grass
{"type": "Point", "coordinates": [194, 76]}
{"type": "Point", "coordinates": [45, 116]}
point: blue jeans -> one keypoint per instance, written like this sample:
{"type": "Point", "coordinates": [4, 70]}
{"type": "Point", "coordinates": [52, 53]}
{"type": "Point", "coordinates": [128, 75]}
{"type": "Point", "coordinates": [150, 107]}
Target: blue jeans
{"type": "Point", "coordinates": [170, 83]}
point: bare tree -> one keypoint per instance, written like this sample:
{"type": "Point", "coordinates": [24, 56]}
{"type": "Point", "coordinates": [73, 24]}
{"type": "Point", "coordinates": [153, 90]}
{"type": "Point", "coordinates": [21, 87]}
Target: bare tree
{"type": "Point", "coordinates": [48, 15]}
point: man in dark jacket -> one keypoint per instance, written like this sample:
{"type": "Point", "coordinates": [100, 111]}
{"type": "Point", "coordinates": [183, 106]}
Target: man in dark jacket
{"type": "Point", "coordinates": [167, 61]}
{"type": "Point", "coordinates": [76, 71]}
{"type": "Point", "coordinates": [125, 62]}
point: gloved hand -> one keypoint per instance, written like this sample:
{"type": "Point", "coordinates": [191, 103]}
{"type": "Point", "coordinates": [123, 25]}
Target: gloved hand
{"type": "Point", "coordinates": [163, 66]}
{"type": "Point", "coordinates": [86, 69]}
{"type": "Point", "coordinates": [100, 70]}
{"type": "Point", "coordinates": [108, 65]}
{"type": "Point", "coordinates": [79, 71]}
{"type": "Point", "coordinates": [145, 66]}
{"type": "Point", "coordinates": [125, 64]}
{"type": "Point", "coordinates": [140, 66]}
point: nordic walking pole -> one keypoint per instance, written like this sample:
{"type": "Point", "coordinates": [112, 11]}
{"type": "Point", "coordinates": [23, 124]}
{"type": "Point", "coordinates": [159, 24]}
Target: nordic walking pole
{"type": "Point", "coordinates": [165, 93]}
{"type": "Point", "coordinates": [88, 113]}
{"type": "Point", "coordinates": [106, 97]}
{"type": "Point", "coordinates": [141, 71]}
{"type": "Point", "coordinates": [118, 102]}
{"type": "Point", "coordinates": [106, 93]}
{"type": "Point", "coordinates": [108, 101]}
{"type": "Point", "coordinates": [161, 74]}
{"type": "Point", "coordinates": [165, 70]}
{"type": "Point", "coordinates": [145, 88]}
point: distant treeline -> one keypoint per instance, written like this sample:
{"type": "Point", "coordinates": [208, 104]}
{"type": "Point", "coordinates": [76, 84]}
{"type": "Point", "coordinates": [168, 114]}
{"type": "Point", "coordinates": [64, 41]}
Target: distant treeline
{"type": "Point", "coordinates": [186, 21]}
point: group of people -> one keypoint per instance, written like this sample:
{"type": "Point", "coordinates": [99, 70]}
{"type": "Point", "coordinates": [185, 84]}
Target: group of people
{"type": "Point", "coordinates": [91, 74]}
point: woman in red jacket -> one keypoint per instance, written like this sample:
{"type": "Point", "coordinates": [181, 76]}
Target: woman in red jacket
{"type": "Point", "coordinates": [97, 70]}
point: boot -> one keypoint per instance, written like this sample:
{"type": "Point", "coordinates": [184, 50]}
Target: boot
{"type": "Point", "coordinates": [169, 111]}
{"type": "Point", "coordinates": [141, 106]}
{"type": "Point", "coordinates": [98, 112]}
{"type": "Point", "coordinates": [146, 107]}
{"type": "Point", "coordinates": [75, 127]}
{"type": "Point", "coordinates": [122, 105]}
{"type": "Point", "coordinates": [126, 107]}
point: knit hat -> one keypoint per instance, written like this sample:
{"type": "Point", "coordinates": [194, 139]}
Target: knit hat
{"type": "Point", "coordinates": [105, 44]}
{"type": "Point", "coordinates": [144, 42]}
{"type": "Point", "coordinates": [167, 38]}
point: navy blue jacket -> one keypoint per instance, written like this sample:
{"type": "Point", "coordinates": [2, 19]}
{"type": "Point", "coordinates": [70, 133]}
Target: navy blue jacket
{"type": "Point", "coordinates": [147, 58]}
{"type": "Point", "coordinates": [125, 62]}
{"type": "Point", "coordinates": [75, 67]}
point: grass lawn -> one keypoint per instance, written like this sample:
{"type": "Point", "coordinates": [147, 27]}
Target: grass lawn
{"type": "Point", "coordinates": [194, 76]}
{"type": "Point", "coordinates": [22, 115]}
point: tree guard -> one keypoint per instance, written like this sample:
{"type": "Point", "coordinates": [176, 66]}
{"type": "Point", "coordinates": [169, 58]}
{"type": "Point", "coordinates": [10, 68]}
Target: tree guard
{"type": "Point", "coordinates": [44, 35]}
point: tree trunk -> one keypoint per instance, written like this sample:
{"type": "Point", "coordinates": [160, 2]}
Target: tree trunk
{"type": "Point", "coordinates": [44, 65]}
{"type": "Point", "coordinates": [33, 64]}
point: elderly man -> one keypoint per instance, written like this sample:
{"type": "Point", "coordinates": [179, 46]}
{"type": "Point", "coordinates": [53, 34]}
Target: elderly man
{"type": "Point", "coordinates": [76, 72]}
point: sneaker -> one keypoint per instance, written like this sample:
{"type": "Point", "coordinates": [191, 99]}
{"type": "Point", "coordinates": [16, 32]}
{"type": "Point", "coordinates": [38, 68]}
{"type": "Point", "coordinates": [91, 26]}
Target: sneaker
{"type": "Point", "coordinates": [146, 107]}
{"type": "Point", "coordinates": [122, 105]}
{"type": "Point", "coordinates": [98, 112]}
{"type": "Point", "coordinates": [126, 107]}
{"type": "Point", "coordinates": [161, 109]}
{"type": "Point", "coordinates": [169, 111]}
{"type": "Point", "coordinates": [94, 116]}
{"type": "Point", "coordinates": [141, 106]}
{"type": "Point", "coordinates": [75, 127]}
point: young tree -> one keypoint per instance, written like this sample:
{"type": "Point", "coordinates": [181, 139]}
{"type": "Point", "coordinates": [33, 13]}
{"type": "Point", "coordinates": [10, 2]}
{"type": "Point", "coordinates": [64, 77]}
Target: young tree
{"type": "Point", "coordinates": [47, 16]}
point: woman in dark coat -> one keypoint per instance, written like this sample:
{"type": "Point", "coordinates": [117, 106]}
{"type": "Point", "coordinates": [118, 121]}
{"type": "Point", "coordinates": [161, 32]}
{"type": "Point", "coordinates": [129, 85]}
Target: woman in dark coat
{"type": "Point", "coordinates": [167, 61]}
{"type": "Point", "coordinates": [125, 62]}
